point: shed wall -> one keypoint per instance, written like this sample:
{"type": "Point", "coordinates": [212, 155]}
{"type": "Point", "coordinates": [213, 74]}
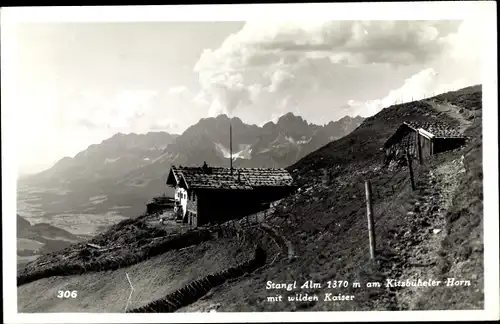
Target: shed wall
{"type": "Point", "coordinates": [192, 209]}
{"type": "Point", "coordinates": [446, 144]}
{"type": "Point", "coordinates": [426, 146]}
{"type": "Point", "coordinates": [181, 198]}
{"type": "Point", "coordinates": [216, 206]}
{"type": "Point", "coordinates": [406, 139]}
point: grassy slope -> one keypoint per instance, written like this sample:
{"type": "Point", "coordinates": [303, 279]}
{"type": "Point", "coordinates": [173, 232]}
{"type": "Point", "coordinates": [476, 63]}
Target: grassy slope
{"type": "Point", "coordinates": [108, 291]}
{"type": "Point", "coordinates": [462, 250]}
{"type": "Point", "coordinates": [128, 240]}
{"type": "Point", "coordinates": [328, 225]}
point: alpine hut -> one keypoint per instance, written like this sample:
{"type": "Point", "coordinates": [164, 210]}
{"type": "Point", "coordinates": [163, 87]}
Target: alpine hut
{"type": "Point", "coordinates": [422, 140]}
{"type": "Point", "coordinates": [209, 194]}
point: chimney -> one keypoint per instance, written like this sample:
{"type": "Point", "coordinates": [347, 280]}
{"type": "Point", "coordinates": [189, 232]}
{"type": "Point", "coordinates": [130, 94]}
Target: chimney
{"type": "Point", "coordinates": [230, 148]}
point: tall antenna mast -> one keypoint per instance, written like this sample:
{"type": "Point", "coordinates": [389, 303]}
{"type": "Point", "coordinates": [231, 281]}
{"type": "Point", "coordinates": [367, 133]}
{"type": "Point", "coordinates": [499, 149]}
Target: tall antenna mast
{"type": "Point", "coordinates": [230, 148]}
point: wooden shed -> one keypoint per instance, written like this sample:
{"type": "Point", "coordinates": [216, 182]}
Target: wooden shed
{"type": "Point", "coordinates": [217, 194]}
{"type": "Point", "coordinates": [422, 140]}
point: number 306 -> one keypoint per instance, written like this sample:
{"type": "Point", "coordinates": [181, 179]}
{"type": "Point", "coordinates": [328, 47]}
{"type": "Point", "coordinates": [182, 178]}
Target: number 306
{"type": "Point", "coordinates": [67, 294]}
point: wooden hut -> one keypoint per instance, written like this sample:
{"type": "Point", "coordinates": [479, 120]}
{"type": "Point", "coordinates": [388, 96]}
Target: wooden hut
{"type": "Point", "coordinates": [422, 140]}
{"type": "Point", "coordinates": [217, 194]}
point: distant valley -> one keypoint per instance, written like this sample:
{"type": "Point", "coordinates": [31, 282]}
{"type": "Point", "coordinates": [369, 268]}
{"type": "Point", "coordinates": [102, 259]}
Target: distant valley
{"type": "Point", "coordinates": [34, 240]}
{"type": "Point", "coordinates": [118, 177]}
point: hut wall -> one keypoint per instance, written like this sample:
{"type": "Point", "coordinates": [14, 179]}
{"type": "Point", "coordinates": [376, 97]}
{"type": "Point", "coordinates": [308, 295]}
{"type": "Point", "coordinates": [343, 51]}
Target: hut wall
{"type": "Point", "coordinates": [406, 139]}
{"type": "Point", "coordinates": [268, 194]}
{"type": "Point", "coordinates": [181, 198]}
{"type": "Point", "coordinates": [446, 144]}
{"type": "Point", "coordinates": [426, 145]}
{"type": "Point", "coordinates": [402, 141]}
{"type": "Point", "coordinates": [192, 209]}
{"type": "Point", "coordinates": [406, 142]}
{"type": "Point", "coordinates": [216, 206]}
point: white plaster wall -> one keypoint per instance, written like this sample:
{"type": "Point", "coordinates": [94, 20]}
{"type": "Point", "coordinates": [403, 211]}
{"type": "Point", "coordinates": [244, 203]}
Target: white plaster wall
{"type": "Point", "coordinates": [181, 196]}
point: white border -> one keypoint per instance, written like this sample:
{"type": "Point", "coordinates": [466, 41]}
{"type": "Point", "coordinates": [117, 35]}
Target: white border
{"type": "Point", "coordinates": [342, 11]}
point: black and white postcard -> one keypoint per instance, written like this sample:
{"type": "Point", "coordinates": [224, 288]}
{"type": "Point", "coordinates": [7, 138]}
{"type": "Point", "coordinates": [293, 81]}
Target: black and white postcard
{"type": "Point", "coordinates": [249, 163]}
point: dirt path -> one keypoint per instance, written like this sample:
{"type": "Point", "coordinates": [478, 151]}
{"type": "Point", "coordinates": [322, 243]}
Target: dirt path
{"type": "Point", "coordinates": [284, 243]}
{"type": "Point", "coordinates": [422, 232]}
{"type": "Point", "coordinates": [453, 112]}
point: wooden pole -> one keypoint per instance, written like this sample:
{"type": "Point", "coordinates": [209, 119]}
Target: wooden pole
{"type": "Point", "coordinates": [412, 180]}
{"type": "Point", "coordinates": [230, 149]}
{"type": "Point", "coordinates": [419, 150]}
{"type": "Point", "coordinates": [369, 215]}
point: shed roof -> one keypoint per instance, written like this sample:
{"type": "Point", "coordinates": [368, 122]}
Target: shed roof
{"type": "Point", "coordinates": [221, 178]}
{"type": "Point", "coordinates": [438, 129]}
{"type": "Point", "coordinates": [427, 129]}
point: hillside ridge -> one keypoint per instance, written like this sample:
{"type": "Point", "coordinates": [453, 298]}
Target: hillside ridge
{"type": "Point", "coordinates": [434, 231]}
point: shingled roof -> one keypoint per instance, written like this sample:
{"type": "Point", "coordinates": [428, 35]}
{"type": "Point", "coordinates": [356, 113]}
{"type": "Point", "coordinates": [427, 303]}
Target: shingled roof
{"type": "Point", "coordinates": [221, 178]}
{"type": "Point", "coordinates": [438, 129]}
{"type": "Point", "coordinates": [402, 136]}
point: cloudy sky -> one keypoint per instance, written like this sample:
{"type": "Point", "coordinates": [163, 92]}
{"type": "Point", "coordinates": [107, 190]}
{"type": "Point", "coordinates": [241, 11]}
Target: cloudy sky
{"type": "Point", "coordinates": [79, 83]}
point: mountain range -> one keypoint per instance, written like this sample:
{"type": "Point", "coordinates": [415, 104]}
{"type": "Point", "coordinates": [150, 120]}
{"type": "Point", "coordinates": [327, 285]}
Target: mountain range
{"type": "Point", "coordinates": [122, 173]}
{"type": "Point", "coordinates": [431, 227]}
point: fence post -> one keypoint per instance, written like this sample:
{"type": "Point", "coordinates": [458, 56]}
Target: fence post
{"type": "Point", "coordinates": [369, 215]}
{"type": "Point", "coordinates": [410, 168]}
{"type": "Point", "coordinates": [419, 150]}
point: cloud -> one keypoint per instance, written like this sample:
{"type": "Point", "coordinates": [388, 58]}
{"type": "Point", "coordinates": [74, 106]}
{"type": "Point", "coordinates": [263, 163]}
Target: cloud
{"type": "Point", "coordinates": [421, 85]}
{"type": "Point", "coordinates": [265, 43]}
{"type": "Point", "coordinates": [113, 111]}
{"type": "Point", "coordinates": [127, 110]}
{"type": "Point", "coordinates": [127, 106]}
{"type": "Point", "coordinates": [165, 124]}
{"type": "Point", "coordinates": [280, 79]}
{"type": "Point", "coordinates": [396, 42]}
{"type": "Point", "coordinates": [467, 42]}
{"type": "Point", "coordinates": [181, 91]}
{"type": "Point", "coordinates": [266, 62]}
